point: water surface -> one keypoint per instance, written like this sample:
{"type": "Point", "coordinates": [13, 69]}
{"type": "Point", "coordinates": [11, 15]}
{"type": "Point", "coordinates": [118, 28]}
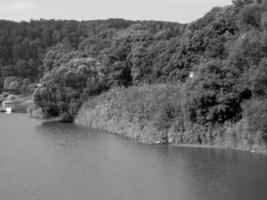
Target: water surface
{"type": "Point", "coordinates": [54, 161]}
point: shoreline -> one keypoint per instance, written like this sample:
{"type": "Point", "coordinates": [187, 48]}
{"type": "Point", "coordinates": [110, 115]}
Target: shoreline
{"type": "Point", "coordinates": [123, 133]}
{"type": "Point", "coordinates": [153, 114]}
{"type": "Point", "coordinates": [219, 147]}
{"type": "Point", "coordinates": [201, 146]}
{"type": "Point", "coordinates": [21, 105]}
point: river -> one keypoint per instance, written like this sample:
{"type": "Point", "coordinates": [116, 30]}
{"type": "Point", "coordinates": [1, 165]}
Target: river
{"type": "Point", "coordinates": [54, 161]}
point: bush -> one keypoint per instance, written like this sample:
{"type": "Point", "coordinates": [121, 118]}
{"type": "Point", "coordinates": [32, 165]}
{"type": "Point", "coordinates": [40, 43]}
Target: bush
{"type": "Point", "coordinates": [209, 98]}
{"type": "Point", "coordinates": [255, 112]}
{"type": "Point", "coordinates": [12, 83]}
{"type": "Point", "coordinates": [258, 79]}
{"type": "Point", "coordinates": [157, 103]}
{"type": "Point", "coordinates": [65, 88]}
{"type": "Point", "coordinates": [27, 87]}
{"type": "Point", "coordinates": [251, 15]}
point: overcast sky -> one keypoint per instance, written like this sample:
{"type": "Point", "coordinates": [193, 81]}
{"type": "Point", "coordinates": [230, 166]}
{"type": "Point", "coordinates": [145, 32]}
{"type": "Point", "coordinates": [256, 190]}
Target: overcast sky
{"type": "Point", "coordinates": [167, 10]}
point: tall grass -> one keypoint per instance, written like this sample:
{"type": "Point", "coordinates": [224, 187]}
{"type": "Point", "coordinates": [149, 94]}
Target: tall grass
{"type": "Point", "coordinates": [148, 111]}
{"type": "Point", "coordinates": [155, 114]}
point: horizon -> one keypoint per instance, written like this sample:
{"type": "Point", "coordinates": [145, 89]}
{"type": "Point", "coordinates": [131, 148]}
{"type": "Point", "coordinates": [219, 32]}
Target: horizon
{"type": "Point", "coordinates": [181, 11]}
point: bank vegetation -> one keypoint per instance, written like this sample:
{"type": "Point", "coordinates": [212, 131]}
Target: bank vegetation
{"type": "Point", "coordinates": [156, 82]}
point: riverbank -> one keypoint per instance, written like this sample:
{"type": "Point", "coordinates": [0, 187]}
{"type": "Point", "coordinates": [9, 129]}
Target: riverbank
{"type": "Point", "coordinates": [21, 103]}
{"type": "Point", "coordinates": [153, 115]}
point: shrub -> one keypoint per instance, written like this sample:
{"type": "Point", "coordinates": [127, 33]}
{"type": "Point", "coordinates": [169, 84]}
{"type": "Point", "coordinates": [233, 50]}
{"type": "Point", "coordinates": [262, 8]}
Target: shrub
{"type": "Point", "coordinates": [255, 112]}
{"type": "Point", "coordinates": [251, 15]}
{"type": "Point", "coordinates": [65, 88]}
{"type": "Point", "coordinates": [210, 97]}
{"type": "Point", "coordinates": [27, 87]}
{"type": "Point", "coordinates": [159, 104]}
{"type": "Point", "coordinates": [258, 79]}
{"type": "Point", "coordinates": [12, 83]}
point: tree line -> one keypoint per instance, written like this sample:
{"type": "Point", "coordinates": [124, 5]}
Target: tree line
{"type": "Point", "coordinates": [226, 49]}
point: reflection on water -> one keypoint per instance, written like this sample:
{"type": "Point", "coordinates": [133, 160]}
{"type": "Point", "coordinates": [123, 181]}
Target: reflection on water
{"type": "Point", "coordinates": [54, 161]}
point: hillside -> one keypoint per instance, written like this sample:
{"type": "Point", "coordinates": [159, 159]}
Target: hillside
{"type": "Point", "coordinates": [31, 49]}
{"type": "Point", "coordinates": [226, 51]}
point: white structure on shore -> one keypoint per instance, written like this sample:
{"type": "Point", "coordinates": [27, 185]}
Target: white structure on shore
{"type": "Point", "coordinates": [8, 106]}
{"type": "Point", "coordinates": [8, 110]}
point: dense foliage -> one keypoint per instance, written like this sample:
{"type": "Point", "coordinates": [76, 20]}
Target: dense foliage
{"type": "Point", "coordinates": [226, 49]}
{"type": "Point", "coordinates": [65, 88]}
{"type": "Point", "coordinates": [155, 114]}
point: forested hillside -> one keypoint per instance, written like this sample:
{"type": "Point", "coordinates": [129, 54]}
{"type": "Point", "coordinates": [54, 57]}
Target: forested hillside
{"type": "Point", "coordinates": [123, 52]}
{"type": "Point", "coordinates": [31, 49]}
{"type": "Point", "coordinates": [225, 51]}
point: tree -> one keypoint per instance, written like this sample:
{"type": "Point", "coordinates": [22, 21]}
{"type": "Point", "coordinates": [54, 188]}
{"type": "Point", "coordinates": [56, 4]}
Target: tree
{"type": "Point", "coordinates": [64, 88]}
{"type": "Point", "coordinates": [47, 37]}
{"type": "Point", "coordinates": [210, 97]}
{"type": "Point", "coordinates": [251, 15]}
{"type": "Point", "coordinates": [12, 83]}
{"type": "Point", "coordinates": [258, 79]}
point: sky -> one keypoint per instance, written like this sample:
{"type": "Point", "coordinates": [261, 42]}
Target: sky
{"type": "Point", "coordinates": [182, 11]}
